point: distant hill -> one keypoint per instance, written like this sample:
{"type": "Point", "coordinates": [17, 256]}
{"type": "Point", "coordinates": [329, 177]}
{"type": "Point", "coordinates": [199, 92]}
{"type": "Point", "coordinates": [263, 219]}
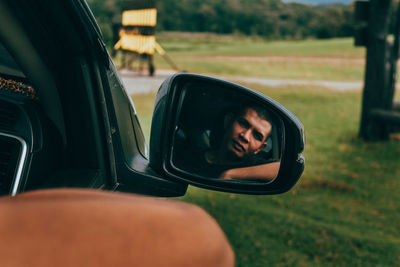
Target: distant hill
{"type": "Point", "coordinates": [320, 2]}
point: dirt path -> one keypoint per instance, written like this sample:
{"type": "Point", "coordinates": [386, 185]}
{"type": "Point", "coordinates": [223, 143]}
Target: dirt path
{"type": "Point", "coordinates": [141, 83]}
{"type": "Point", "coordinates": [330, 85]}
{"type": "Point", "coordinates": [305, 60]}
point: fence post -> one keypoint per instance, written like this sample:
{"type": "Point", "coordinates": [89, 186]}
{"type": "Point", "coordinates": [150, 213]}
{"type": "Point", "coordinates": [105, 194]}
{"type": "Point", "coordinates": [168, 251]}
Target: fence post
{"type": "Point", "coordinates": [377, 72]}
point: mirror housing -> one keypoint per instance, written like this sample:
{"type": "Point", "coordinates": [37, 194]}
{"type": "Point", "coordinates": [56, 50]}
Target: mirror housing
{"type": "Point", "coordinates": [168, 109]}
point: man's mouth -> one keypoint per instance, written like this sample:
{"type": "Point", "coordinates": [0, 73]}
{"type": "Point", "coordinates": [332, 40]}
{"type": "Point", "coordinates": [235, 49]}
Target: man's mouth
{"type": "Point", "coordinates": [237, 146]}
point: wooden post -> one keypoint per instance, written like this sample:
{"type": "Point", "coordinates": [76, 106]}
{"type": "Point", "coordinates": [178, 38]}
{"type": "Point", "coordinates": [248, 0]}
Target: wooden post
{"type": "Point", "coordinates": [389, 94]}
{"type": "Point", "coordinates": [376, 73]}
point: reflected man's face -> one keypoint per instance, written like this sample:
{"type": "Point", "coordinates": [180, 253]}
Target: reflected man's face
{"type": "Point", "coordinates": [246, 134]}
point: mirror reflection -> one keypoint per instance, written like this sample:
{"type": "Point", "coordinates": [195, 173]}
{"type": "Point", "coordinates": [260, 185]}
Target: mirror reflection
{"type": "Point", "coordinates": [224, 134]}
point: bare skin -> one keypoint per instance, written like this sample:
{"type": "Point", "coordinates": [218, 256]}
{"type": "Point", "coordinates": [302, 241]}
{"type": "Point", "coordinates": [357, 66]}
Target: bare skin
{"type": "Point", "coordinates": [262, 172]}
{"type": "Point", "coordinates": [79, 227]}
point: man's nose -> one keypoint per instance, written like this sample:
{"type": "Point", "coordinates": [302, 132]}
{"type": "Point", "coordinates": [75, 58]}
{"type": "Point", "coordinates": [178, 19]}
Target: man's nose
{"type": "Point", "coordinates": [245, 135]}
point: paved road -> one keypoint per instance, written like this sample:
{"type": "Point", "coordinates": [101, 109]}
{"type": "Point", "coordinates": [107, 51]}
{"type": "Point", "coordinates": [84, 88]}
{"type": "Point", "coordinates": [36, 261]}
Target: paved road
{"type": "Point", "coordinates": [141, 83]}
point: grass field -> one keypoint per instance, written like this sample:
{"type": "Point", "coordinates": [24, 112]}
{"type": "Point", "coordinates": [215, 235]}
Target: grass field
{"type": "Point", "coordinates": [345, 210]}
{"type": "Point", "coordinates": [334, 59]}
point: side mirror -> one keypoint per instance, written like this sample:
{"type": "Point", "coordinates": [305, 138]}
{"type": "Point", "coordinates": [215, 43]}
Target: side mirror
{"type": "Point", "coordinates": [223, 136]}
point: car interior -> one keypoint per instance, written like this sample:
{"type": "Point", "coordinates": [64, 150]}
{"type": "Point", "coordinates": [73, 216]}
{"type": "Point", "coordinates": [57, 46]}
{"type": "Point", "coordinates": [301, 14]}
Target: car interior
{"type": "Point", "coordinates": [41, 76]}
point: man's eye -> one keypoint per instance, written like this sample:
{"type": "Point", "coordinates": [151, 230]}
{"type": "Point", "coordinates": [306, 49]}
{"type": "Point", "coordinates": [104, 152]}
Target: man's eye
{"type": "Point", "coordinates": [258, 136]}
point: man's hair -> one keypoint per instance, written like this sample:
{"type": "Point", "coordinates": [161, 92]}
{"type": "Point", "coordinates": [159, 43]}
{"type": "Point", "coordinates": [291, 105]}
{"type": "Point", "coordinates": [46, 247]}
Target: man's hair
{"type": "Point", "coordinates": [261, 112]}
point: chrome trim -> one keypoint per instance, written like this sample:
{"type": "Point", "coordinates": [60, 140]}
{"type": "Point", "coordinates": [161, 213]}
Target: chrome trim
{"type": "Point", "coordinates": [22, 159]}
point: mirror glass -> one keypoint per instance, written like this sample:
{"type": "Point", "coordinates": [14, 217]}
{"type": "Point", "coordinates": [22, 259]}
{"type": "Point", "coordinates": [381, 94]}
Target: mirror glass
{"type": "Point", "coordinates": [222, 133]}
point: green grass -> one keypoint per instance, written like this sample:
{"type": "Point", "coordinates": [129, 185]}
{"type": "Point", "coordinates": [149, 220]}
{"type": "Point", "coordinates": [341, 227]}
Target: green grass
{"type": "Point", "coordinates": [286, 68]}
{"type": "Point", "coordinates": [231, 45]}
{"type": "Point", "coordinates": [335, 59]}
{"type": "Point", "coordinates": [344, 211]}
